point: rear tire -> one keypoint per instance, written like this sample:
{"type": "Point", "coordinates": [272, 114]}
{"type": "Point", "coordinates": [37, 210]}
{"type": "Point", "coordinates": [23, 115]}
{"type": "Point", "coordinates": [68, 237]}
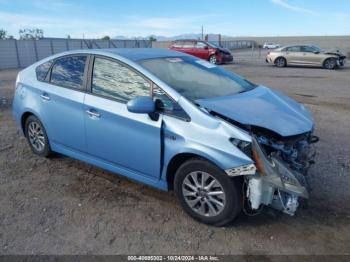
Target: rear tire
{"type": "Point", "coordinates": [37, 137]}
{"type": "Point", "coordinates": [330, 63]}
{"type": "Point", "coordinates": [207, 193]}
{"type": "Point", "coordinates": [281, 62]}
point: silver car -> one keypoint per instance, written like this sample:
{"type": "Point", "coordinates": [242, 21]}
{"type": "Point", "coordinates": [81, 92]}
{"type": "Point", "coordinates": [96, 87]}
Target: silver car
{"type": "Point", "coordinates": [305, 55]}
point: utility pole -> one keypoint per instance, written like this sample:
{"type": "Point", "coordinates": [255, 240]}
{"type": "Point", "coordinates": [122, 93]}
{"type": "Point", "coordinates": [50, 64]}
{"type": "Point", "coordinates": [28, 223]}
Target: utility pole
{"type": "Point", "coordinates": [202, 33]}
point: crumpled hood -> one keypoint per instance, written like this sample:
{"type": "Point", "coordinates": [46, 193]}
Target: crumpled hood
{"type": "Point", "coordinates": [265, 108]}
{"type": "Point", "coordinates": [224, 50]}
{"type": "Point", "coordinates": [334, 52]}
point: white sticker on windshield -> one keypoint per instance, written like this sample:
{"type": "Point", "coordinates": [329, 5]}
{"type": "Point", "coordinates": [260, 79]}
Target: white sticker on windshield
{"type": "Point", "coordinates": [205, 63]}
{"type": "Point", "coordinates": [175, 59]}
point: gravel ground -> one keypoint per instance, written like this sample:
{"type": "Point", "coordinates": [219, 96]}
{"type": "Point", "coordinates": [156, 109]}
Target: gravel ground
{"type": "Point", "coordinates": [63, 206]}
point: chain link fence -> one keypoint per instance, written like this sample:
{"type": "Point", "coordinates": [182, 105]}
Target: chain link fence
{"type": "Point", "coordinates": [21, 53]}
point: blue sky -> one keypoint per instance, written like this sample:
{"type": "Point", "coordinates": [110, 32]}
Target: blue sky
{"type": "Point", "coordinates": [96, 18]}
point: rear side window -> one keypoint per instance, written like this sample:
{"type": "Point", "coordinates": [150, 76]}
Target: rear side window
{"type": "Point", "coordinates": [188, 44]}
{"type": "Point", "coordinates": [293, 49]}
{"type": "Point", "coordinates": [42, 70]}
{"type": "Point", "coordinates": [69, 72]}
{"type": "Point", "coordinates": [178, 44]}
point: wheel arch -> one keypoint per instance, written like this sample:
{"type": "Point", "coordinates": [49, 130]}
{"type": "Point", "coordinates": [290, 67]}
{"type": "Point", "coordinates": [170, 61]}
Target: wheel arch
{"type": "Point", "coordinates": [280, 56]}
{"type": "Point", "coordinates": [24, 117]}
{"type": "Point", "coordinates": [328, 57]}
{"type": "Point", "coordinates": [174, 164]}
{"type": "Point", "coordinates": [177, 160]}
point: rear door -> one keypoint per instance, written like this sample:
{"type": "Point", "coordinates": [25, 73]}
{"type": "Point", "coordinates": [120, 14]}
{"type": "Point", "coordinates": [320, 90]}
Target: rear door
{"type": "Point", "coordinates": [293, 55]}
{"type": "Point", "coordinates": [62, 98]}
{"type": "Point", "coordinates": [188, 48]}
{"type": "Point", "coordinates": [113, 134]}
{"type": "Point", "coordinates": [177, 46]}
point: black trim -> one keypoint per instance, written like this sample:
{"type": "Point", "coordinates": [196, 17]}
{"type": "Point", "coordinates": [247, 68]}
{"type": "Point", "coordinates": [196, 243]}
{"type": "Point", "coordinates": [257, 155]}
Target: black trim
{"type": "Point", "coordinates": [187, 119]}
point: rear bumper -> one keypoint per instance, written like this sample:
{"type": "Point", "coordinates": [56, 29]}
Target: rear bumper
{"type": "Point", "coordinates": [269, 60]}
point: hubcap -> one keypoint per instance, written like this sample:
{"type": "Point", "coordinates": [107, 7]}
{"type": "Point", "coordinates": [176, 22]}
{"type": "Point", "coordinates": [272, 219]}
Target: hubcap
{"type": "Point", "coordinates": [203, 193]}
{"type": "Point", "coordinates": [330, 64]}
{"type": "Point", "coordinates": [213, 59]}
{"type": "Point", "coordinates": [280, 62]}
{"type": "Point", "coordinates": [36, 136]}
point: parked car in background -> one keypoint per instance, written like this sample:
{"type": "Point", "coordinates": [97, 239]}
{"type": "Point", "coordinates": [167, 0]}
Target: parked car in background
{"type": "Point", "coordinates": [305, 55]}
{"type": "Point", "coordinates": [271, 46]}
{"type": "Point", "coordinates": [172, 121]}
{"type": "Point", "coordinates": [204, 50]}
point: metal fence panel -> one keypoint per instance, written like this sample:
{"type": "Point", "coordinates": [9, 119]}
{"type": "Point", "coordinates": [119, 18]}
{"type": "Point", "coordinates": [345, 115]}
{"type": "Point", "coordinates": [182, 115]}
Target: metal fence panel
{"type": "Point", "coordinates": [26, 52]}
{"type": "Point", "coordinates": [75, 44]}
{"type": "Point", "coordinates": [8, 54]}
{"type": "Point", "coordinates": [59, 46]}
{"type": "Point", "coordinates": [43, 48]}
{"type": "Point", "coordinates": [22, 53]}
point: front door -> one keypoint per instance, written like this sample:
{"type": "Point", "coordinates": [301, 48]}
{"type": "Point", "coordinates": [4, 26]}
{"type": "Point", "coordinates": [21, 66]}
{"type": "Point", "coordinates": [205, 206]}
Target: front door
{"type": "Point", "coordinates": [113, 134]}
{"type": "Point", "coordinates": [310, 56]}
{"type": "Point", "coordinates": [202, 50]}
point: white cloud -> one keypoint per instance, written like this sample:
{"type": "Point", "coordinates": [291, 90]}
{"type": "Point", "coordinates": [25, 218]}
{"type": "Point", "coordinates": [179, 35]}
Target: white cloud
{"type": "Point", "coordinates": [295, 8]}
{"type": "Point", "coordinates": [54, 26]}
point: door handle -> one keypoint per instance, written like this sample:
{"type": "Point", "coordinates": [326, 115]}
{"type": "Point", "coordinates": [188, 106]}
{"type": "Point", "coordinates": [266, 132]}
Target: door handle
{"type": "Point", "coordinates": [93, 114]}
{"type": "Point", "coordinates": [45, 97]}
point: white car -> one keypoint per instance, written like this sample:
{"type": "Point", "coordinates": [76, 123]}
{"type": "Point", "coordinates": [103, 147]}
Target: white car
{"type": "Point", "coordinates": [271, 46]}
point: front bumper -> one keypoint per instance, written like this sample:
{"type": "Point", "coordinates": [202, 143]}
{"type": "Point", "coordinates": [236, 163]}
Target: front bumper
{"type": "Point", "coordinates": [226, 58]}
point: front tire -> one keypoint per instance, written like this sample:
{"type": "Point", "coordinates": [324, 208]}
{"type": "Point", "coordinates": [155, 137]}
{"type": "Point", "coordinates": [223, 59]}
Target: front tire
{"type": "Point", "coordinates": [281, 62]}
{"type": "Point", "coordinates": [212, 59]}
{"type": "Point", "coordinates": [207, 193]}
{"type": "Point", "coordinates": [37, 137]}
{"type": "Point", "coordinates": [330, 63]}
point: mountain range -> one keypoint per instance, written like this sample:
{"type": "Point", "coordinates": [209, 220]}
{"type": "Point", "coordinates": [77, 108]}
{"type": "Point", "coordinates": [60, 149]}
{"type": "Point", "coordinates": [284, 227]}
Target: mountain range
{"type": "Point", "coordinates": [160, 37]}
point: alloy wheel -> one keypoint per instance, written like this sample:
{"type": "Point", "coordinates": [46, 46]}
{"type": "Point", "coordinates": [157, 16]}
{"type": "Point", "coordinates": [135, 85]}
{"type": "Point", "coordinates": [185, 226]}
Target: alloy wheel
{"type": "Point", "coordinates": [280, 62]}
{"type": "Point", "coordinates": [330, 63]}
{"type": "Point", "coordinates": [36, 136]}
{"type": "Point", "coordinates": [212, 59]}
{"type": "Point", "coordinates": [203, 194]}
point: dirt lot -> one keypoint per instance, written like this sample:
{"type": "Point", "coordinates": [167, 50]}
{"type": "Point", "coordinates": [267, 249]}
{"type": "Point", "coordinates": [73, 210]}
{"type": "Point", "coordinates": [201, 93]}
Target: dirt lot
{"type": "Point", "coordinates": [63, 206]}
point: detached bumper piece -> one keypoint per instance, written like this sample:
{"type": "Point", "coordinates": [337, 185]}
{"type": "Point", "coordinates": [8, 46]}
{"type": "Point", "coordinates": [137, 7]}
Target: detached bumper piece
{"type": "Point", "coordinates": [275, 184]}
{"type": "Point", "coordinates": [249, 169]}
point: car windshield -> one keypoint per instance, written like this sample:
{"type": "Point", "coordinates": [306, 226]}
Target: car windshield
{"type": "Point", "coordinates": [214, 45]}
{"type": "Point", "coordinates": [196, 79]}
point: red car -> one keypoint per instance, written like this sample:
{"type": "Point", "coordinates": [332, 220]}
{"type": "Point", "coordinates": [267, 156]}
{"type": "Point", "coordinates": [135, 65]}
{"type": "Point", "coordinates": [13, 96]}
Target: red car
{"type": "Point", "coordinates": [202, 49]}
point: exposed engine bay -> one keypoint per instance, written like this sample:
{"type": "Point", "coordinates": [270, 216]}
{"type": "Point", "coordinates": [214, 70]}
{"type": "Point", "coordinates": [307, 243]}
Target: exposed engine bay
{"type": "Point", "coordinates": [282, 165]}
{"type": "Point", "coordinates": [341, 57]}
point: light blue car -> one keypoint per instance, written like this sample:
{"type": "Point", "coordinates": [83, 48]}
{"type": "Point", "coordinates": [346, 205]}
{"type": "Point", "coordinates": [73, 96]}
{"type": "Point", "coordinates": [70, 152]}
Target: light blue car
{"type": "Point", "coordinates": [171, 121]}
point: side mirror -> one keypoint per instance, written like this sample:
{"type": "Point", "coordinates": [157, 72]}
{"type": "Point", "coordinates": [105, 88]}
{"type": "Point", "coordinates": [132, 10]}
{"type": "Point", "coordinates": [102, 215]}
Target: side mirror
{"type": "Point", "coordinates": [316, 52]}
{"type": "Point", "coordinates": [206, 47]}
{"type": "Point", "coordinates": [141, 105]}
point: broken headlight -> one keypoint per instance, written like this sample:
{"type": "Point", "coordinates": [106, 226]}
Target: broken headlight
{"type": "Point", "coordinates": [244, 146]}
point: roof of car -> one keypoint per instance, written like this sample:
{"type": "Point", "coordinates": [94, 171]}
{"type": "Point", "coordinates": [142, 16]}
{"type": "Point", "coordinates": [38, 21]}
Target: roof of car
{"type": "Point", "coordinates": [137, 54]}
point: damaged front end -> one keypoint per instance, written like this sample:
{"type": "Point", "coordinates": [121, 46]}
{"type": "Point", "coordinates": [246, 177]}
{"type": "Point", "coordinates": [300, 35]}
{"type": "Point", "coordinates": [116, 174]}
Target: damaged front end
{"type": "Point", "coordinates": [281, 167]}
